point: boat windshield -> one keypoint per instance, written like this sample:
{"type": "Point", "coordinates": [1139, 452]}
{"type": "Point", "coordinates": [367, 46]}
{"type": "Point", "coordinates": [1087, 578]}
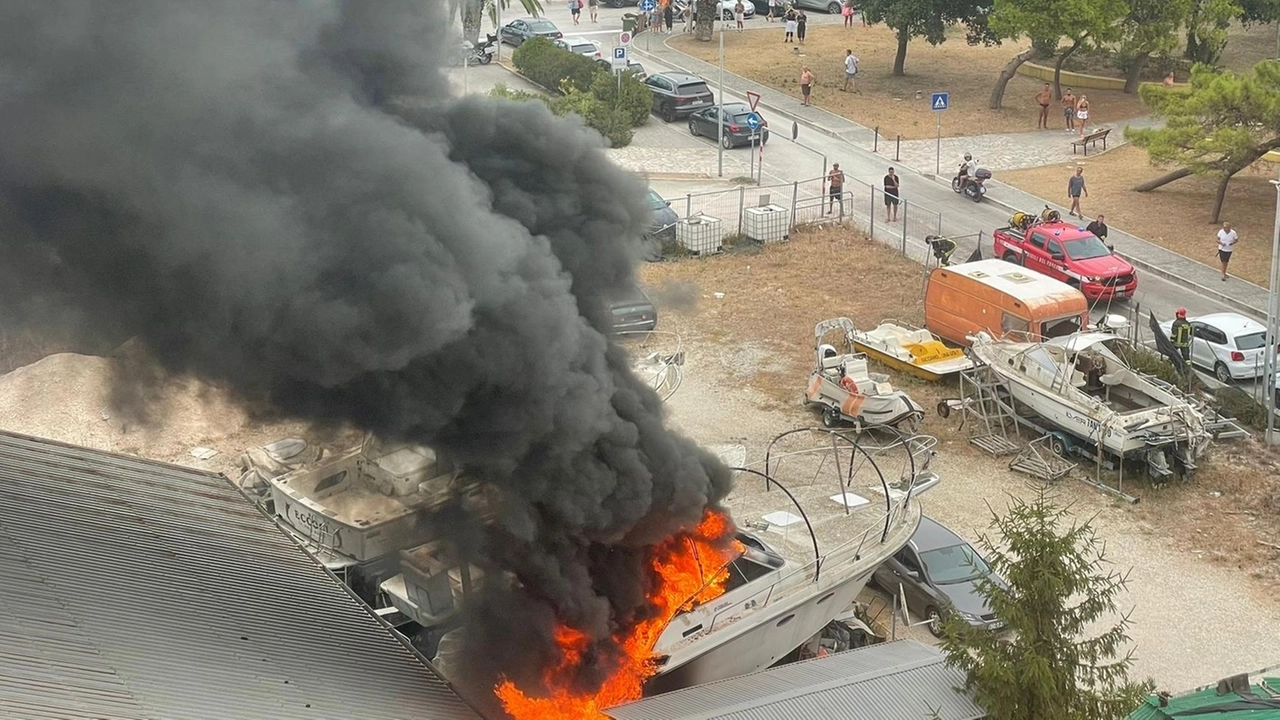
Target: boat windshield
{"type": "Point", "coordinates": [954, 564]}
{"type": "Point", "coordinates": [1040, 356]}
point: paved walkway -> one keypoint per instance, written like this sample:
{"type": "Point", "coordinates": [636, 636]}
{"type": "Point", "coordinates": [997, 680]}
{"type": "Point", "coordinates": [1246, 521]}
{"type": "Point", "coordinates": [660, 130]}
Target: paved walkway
{"type": "Point", "coordinates": [1010, 151]}
{"type": "Point", "coordinates": [1147, 256]}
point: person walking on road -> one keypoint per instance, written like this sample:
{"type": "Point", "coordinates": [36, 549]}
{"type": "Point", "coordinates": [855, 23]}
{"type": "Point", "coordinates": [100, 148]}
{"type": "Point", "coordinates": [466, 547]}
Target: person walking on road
{"type": "Point", "coordinates": [575, 9]}
{"type": "Point", "coordinates": [1182, 333]}
{"type": "Point", "coordinates": [801, 21]}
{"type": "Point", "coordinates": [806, 86]}
{"type": "Point", "coordinates": [773, 4]}
{"type": "Point", "coordinates": [1043, 99]}
{"type": "Point", "coordinates": [850, 72]}
{"type": "Point", "coordinates": [593, 6]}
{"type": "Point", "coordinates": [1075, 186]}
{"type": "Point", "coordinates": [790, 27]}
{"type": "Point", "coordinates": [835, 188]}
{"type": "Point", "coordinates": [1227, 239]}
{"type": "Point", "coordinates": [1099, 228]}
{"type": "Point", "coordinates": [1069, 109]}
{"type": "Point", "coordinates": [1082, 113]}
{"type": "Point", "coordinates": [739, 14]}
{"type": "Point", "coordinates": [891, 185]}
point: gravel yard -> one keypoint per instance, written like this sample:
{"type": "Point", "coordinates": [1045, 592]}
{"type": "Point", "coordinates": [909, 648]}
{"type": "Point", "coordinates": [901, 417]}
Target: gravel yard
{"type": "Point", "coordinates": [1202, 589]}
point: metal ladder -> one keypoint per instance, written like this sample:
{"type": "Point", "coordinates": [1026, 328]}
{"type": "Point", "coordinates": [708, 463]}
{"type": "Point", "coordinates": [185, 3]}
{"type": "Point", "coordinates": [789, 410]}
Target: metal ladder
{"type": "Point", "coordinates": [986, 401]}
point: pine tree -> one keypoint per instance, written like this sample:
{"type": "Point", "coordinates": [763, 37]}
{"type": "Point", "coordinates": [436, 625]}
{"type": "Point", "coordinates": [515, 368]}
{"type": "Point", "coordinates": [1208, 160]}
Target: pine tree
{"type": "Point", "coordinates": [1057, 585]}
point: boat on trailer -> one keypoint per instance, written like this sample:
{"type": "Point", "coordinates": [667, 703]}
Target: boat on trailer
{"type": "Point", "coordinates": [912, 350]}
{"type": "Point", "coordinates": [843, 387]}
{"type": "Point", "coordinates": [1080, 385]}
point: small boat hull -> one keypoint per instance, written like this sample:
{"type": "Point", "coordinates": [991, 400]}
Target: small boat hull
{"type": "Point", "coordinates": [932, 372]}
{"type": "Point", "coordinates": [911, 350]}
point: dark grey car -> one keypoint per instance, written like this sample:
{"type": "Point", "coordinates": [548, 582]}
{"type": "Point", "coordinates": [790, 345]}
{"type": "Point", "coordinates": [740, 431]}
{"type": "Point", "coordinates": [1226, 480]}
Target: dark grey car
{"type": "Point", "coordinates": [937, 572]}
{"type": "Point", "coordinates": [632, 310]}
{"type": "Point", "coordinates": [736, 132]}
{"type": "Point", "coordinates": [678, 95]}
{"type": "Point", "coordinates": [517, 32]}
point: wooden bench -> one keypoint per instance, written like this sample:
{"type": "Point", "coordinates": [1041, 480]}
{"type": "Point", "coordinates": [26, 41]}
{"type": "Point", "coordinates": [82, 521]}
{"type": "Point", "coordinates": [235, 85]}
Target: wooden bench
{"type": "Point", "coordinates": [1091, 139]}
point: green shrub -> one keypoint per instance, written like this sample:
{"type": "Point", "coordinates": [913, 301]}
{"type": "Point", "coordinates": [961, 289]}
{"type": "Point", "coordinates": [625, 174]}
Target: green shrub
{"type": "Point", "coordinates": [634, 98]}
{"type": "Point", "coordinates": [1149, 362]}
{"type": "Point", "coordinates": [554, 69]}
{"type": "Point", "coordinates": [612, 123]}
{"type": "Point", "coordinates": [1235, 403]}
{"type": "Point", "coordinates": [502, 92]}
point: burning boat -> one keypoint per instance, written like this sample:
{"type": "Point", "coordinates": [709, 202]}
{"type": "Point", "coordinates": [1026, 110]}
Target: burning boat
{"type": "Point", "coordinates": [1080, 385]}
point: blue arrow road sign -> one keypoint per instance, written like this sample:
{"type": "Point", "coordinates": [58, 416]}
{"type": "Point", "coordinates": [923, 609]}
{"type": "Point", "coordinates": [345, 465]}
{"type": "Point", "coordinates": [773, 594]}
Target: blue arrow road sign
{"type": "Point", "coordinates": [940, 101]}
{"type": "Point", "coordinates": [648, 5]}
{"type": "Point", "coordinates": [754, 121]}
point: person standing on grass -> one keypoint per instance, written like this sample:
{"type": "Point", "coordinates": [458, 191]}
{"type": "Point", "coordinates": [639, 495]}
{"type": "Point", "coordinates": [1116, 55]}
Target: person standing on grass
{"type": "Point", "coordinates": [593, 6]}
{"type": "Point", "coordinates": [1069, 109]}
{"type": "Point", "coordinates": [1043, 99]}
{"type": "Point", "coordinates": [1227, 239]}
{"type": "Point", "coordinates": [846, 11]}
{"type": "Point", "coordinates": [739, 14]}
{"type": "Point", "coordinates": [1075, 186]}
{"type": "Point", "coordinates": [790, 26]}
{"type": "Point", "coordinates": [835, 188]}
{"type": "Point", "coordinates": [891, 199]}
{"type": "Point", "coordinates": [801, 21]}
{"type": "Point", "coordinates": [1099, 228]}
{"type": "Point", "coordinates": [1082, 113]}
{"type": "Point", "coordinates": [806, 85]}
{"type": "Point", "coordinates": [850, 72]}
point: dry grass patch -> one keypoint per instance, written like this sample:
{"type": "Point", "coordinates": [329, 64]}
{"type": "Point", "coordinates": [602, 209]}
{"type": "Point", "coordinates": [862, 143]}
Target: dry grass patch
{"type": "Point", "coordinates": [1175, 216]}
{"type": "Point", "coordinates": [966, 72]}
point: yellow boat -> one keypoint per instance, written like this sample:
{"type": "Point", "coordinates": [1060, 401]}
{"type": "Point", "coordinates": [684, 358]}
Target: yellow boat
{"type": "Point", "coordinates": [911, 350]}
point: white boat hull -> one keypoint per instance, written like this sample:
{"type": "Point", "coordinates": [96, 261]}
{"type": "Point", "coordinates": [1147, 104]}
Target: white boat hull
{"type": "Point", "coordinates": [767, 639]}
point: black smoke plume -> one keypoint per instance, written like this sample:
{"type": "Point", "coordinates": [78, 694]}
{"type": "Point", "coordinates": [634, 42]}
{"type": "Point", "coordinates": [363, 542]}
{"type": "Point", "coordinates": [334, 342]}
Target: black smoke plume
{"type": "Point", "coordinates": [281, 198]}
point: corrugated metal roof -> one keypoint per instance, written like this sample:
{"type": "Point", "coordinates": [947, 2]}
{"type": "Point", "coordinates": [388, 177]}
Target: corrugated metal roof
{"type": "Point", "coordinates": [134, 590]}
{"type": "Point", "coordinates": [899, 680]}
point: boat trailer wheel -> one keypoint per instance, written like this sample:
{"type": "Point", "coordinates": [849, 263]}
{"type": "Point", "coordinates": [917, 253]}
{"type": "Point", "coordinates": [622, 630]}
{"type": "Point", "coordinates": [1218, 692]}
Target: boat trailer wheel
{"type": "Point", "coordinates": [830, 417]}
{"type": "Point", "coordinates": [944, 409]}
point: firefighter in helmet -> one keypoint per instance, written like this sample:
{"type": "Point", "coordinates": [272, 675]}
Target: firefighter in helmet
{"type": "Point", "coordinates": [1182, 333]}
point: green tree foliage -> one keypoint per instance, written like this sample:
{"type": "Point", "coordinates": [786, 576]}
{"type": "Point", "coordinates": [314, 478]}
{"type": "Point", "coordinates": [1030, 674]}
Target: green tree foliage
{"type": "Point", "coordinates": [1221, 124]}
{"type": "Point", "coordinates": [1052, 664]}
{"type": "Point", "coordinates": [1045, 23]}
{"type": "Point", "coordinates": [611, 105]}
{"type": "Point", "coordinates": [1207, 27]}
{"type": "Point", "coordinates": [922, 18]}
{"type": "Point", "coordinates": [1259, 11]}
{"type": "Point", "coordinates": [1150, 28]}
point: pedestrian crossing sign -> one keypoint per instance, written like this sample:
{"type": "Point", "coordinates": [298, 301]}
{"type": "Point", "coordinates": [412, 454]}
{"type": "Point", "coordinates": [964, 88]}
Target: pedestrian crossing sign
{"type": "Point", "coordinates": [940, 101]}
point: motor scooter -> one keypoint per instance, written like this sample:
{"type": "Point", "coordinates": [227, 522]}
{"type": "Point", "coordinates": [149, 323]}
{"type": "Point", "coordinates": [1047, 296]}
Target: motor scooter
{"type": "Point", "coordinates": [974, 189]}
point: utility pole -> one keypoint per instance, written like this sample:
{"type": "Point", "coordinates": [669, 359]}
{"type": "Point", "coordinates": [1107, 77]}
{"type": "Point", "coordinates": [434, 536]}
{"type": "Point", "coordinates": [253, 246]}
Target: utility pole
{"type": "Point", "coordinates": [497, 8]}
{"type": "Point", "coordinates": [1273, 331]}
{"type": "Point", "coordinates": [720, 106]}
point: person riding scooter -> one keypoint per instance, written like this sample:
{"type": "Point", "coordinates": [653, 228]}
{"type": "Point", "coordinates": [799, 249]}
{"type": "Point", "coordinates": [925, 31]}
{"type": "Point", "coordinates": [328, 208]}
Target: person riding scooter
{"type": "Point", "coordinates": [967, 169]}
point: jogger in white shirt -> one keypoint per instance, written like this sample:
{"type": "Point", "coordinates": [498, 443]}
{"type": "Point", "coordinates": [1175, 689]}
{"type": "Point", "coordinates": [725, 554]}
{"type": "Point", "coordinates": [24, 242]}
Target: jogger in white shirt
{"type": "Point", "coordinates": [1226, 243]}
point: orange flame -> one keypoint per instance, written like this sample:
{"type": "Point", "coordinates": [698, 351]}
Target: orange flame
{"type": "Point", "coordinates": [681, 563]}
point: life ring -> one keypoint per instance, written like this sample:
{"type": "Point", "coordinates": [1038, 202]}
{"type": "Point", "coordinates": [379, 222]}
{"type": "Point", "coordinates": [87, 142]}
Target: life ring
{"type": "Point", "coordinates": [848, 384]}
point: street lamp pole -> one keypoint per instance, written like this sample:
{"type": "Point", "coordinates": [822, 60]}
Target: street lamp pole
{"type": "Point", "coordinates": [1273, 331]}
{"type": "Point", "coordinates": [720, 107]}
{"type": "Point", "coordinates": [497, 30]}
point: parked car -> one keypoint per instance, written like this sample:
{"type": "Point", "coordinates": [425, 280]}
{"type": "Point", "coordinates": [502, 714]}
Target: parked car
{"type": "Point", "coordinates": [581, 46]}
{"type": "Point", "coordinates": [937, 572]}
{"type": "Point", "coordinates": [664, 218]}
{"type": "Point", "coordinates": [726, 8]}
{"type": "Point", "coordinates": [633, 311]}
{"type": "Point", "coordinates": [829, 6]}
{"type": "Point", "coordinates": [1069, 253]}
{"type": "Point", "coordinates": [736, 132]}
{"type": "Point", "coordinates": [517, 32]}
{"type": "Point", "coordinates": [1229, 344]}
{"type": "Point", "coordinates": [633, 67]}
{"type": "Point", "coordinates": [678, 95]}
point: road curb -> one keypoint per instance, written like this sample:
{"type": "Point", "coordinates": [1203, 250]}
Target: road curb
{"type": "Point", "coordinates": [1136, 262]}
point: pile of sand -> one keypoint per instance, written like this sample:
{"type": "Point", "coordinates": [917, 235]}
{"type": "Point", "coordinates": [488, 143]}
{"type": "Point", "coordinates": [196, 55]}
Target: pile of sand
{"type": "Point", "coordinates": [66, 397]}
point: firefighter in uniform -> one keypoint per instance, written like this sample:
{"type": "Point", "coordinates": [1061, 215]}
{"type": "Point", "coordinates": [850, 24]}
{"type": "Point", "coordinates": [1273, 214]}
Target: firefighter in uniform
{"type": "Point", "coordinates": [1182, 333]}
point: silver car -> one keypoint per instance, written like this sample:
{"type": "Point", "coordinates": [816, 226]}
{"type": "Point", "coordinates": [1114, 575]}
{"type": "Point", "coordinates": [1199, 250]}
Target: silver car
{"type": "Point", "coordinates": [1229, 344]}
{"type": "Point", "coordinates": [829, 6]}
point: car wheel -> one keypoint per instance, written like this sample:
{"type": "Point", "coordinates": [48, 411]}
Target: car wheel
{"type": "Point", "coordinates": [934, 619]}
{"type": "Point", "coordinates": [668, 113]}
{"type": "Point", "coordinates": [726, 15]}
{"type": "Point", "coordinates": [1221, 372]}
{"type": "Point", "coordinates": [830, 417]}
{"type": "Point", "coordinates": [833, 8]}
{"type": "Point", "coordinates": [727, 142]}
{"type": "Point", "coordinates": [693, 127]}
{"type": "Point", "coordinates": [1010, 257]}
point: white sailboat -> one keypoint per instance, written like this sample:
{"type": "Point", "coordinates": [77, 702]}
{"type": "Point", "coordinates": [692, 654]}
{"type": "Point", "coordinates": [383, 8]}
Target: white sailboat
{"type": "Point", "coordinates": [1080, 385]}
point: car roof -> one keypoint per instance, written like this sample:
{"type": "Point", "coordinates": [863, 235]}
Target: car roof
{"type": "Point", "coordinates": [737, 107]}
{"type": "Point", "coordinates": [679, 77]}
{"type": "Point", "coordinates": [577, 41]}
{"type": "Point", "coordinates": [932, 535]}
{"type": "Point", "coordinates": [1233, 323]}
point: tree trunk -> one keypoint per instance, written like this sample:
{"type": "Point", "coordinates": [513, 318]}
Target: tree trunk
{"type": "Point", "coordinates": [707, 11]}
{"type": "Point", "coordinates": [1161, 181]}
{"type": "Point", "coordinates": [1057, 67]}
{"type": "Point", "coordinates": [472, 19]}
{"type": "Point", "coordinates": [1133, 75]}
{"type": "Point", "coordinates": [997, 93]}
{"type": "Point", "coordinates": [1219, 197]}
{"type": "Point", "coordinates": [900, 60]}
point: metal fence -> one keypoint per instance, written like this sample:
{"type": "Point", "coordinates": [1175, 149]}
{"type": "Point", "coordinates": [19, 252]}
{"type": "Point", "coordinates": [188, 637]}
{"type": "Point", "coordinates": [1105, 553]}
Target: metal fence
{"type": "Point", "coordinates": [809, 202]}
